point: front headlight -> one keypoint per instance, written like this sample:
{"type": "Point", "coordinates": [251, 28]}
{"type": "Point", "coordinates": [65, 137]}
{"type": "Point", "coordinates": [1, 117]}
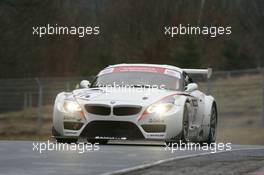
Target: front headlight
{"type": "Point", "coordinates": [71, 107]}
{"type": "Point", "coordinates": [159, 108]}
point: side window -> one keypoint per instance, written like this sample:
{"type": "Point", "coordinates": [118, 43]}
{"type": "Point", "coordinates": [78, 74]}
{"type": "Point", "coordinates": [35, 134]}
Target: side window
{"type": "Point", "coordinates": [187, 79]}
{"type": "Point", "coordinates": [185, 82]}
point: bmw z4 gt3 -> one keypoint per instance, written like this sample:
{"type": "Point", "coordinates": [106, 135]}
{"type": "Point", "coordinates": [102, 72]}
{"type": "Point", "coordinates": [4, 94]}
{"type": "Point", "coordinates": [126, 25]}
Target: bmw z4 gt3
{"type": "Point", "coordinates": [137, 101]}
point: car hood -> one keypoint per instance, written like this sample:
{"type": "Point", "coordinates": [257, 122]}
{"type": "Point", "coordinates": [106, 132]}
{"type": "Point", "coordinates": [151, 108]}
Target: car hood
{"type": "Point", "coordinates": [138, 96]}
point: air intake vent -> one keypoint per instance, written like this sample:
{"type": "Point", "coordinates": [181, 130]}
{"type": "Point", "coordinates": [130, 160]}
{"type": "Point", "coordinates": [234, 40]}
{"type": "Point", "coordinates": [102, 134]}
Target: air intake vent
{"type": "Point", "coordinates": [126, 110]}
{"type": "Point", "coordinates": [98, 109]}
{"type": "Point", "coordinates": [112, 129]}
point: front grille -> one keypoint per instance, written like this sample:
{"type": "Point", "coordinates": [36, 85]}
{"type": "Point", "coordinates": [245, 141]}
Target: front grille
{"type": "Point", "coordinates": [98, 109]}
{"type": "Point", "coordinates": [154, 128]}
{"type": "Point", "coordinates": [126, 110]}
{"type": "Point", "coordinates": [113, 129]}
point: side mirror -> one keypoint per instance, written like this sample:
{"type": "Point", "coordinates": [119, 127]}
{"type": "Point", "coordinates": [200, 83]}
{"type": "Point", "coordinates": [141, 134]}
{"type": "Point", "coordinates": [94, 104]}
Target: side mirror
{"type": "Point", "coordinates": [85, 84]}
{"type": "Point", "coordinates": [191, 87]}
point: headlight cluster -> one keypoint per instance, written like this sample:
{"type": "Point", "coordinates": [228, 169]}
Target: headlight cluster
{"type": "Point", "coordinates": [159, 108]}
{"type": "Point", "coordinates": [71, 109]}
{"type": "Point", "coordinates": [71, 106]}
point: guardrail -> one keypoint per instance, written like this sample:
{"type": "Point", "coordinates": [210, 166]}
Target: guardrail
{"type": "Point", "coordinates": [238, 92]}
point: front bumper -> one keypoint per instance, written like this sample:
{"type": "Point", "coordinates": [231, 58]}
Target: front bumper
{"type": "Point", "coordinates": [120, 127]}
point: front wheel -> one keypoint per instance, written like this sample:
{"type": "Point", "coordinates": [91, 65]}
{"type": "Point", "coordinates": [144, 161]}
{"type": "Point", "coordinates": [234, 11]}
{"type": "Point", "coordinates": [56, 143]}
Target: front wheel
{"type": "Point", "coordinates": [213, 124]}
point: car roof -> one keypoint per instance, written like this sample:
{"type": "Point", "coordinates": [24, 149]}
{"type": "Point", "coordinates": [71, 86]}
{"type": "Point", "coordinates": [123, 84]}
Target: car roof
{"type": "Point", "coordinates": [148, 65]}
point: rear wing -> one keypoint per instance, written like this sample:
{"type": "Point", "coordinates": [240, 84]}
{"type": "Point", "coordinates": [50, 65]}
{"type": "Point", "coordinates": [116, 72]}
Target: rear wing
{"type": "Point", "coordinates": [207, 71]}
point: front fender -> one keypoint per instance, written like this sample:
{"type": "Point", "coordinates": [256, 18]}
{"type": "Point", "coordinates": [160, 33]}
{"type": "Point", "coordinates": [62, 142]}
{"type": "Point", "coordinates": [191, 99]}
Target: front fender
{"type": "Point", "coordinates": [57, 115]}
{"type": "Point", "coordinates": [174, 124]}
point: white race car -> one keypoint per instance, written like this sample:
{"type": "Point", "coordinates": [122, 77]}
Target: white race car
{"type": "Point", "coordinates": [137, 101]}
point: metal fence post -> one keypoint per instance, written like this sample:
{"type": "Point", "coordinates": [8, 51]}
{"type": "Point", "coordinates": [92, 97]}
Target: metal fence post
{"type": "Point", "coordinates": [68, 86]}
{"type": "Point", "coordinates": [30, 100]}
{"type": "Point", "coordinates": [40, 97]}
{"type": "Point", "coordinates": [25, 100]}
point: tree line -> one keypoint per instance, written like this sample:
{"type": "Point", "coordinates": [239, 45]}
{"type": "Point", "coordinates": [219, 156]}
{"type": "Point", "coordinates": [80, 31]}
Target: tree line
{"type": "Point", "coordinates": [130, 32]}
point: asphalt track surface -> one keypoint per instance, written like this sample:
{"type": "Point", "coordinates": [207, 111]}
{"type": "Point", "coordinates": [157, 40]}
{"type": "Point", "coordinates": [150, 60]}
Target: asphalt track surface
{"type": "Point", "coordinates": [18, 157]}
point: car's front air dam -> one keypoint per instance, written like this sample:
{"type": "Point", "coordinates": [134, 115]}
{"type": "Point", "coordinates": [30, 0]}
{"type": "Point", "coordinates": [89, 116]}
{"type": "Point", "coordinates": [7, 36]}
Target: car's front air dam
{"type": "Point", "coordinates": [112, 129]}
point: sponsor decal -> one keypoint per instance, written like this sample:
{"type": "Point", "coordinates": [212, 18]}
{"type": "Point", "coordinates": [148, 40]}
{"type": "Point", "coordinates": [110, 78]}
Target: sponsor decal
{"type": "Point", "coordinates": [156, 135]}
{"type": "Point", "coordinates": [172, 73]}
{"type": "Point", "coordinates": [70, 132]}
{"type": "Point", "coordinates": [141, 69]}
{"type": "Point", "coordinates": [110, 138]}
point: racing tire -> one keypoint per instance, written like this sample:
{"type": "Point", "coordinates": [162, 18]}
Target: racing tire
{"type": "Point", "coordinates": [213, 125]}
{"type": "Point", "coordinates": [55, 132]}
{"type": "Point", "coordinates": [185, 125]}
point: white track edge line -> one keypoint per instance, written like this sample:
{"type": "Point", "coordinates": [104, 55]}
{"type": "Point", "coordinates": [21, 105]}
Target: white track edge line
{"type": "Point", "coordinates": [147, 165]}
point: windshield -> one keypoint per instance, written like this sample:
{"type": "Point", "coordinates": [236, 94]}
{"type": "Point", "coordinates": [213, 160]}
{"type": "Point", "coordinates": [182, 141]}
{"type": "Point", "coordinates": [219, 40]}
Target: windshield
{"type": "Point", "coordinates": [137, 79]}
